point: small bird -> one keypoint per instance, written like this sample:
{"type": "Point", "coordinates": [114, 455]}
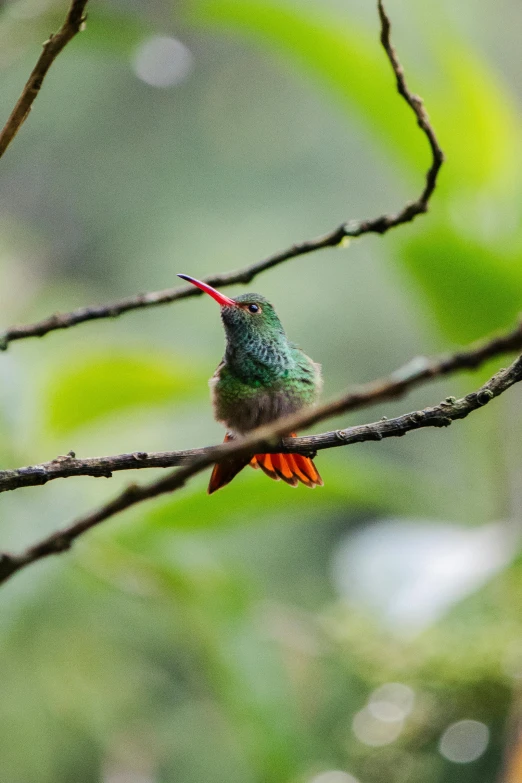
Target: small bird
{"type": "Point", "coordinates": [261, 378]}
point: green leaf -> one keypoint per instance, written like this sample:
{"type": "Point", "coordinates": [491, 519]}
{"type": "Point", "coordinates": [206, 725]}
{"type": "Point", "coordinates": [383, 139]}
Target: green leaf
{"type": "Point", "coordinates": [112, 381]}
{"type": "Point", "coordinates": [473, 289]}
{"type": "Point", "coordinates": [335, 51]}
{"type": "Point", "coordinates": [473, 113]}
{"type": "Point", "coordinates": [476, 119]}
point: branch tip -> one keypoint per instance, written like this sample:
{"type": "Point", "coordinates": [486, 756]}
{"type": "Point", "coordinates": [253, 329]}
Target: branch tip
{"type": "Point", "coordinates": [336, 238]}
{"type": "Point", "coordinates": [51, 49]}
{"type": "Point", "coordinates": [271, 437]}
{"type": "Point", "coordinates": [196, 460]}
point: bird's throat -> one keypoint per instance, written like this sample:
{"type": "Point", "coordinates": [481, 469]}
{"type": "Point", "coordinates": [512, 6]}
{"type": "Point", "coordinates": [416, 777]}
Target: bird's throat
{"type": "Point", "coordinates": [259, 360]}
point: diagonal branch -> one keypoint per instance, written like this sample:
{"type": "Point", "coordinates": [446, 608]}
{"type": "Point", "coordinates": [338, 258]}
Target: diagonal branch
{"type": "Point", "coordinates": [416, 372]}
{"type": "Point", "coordinates": [51, 49]}
{"type": "Point", "coordinates": [265, 439]}
{"type": "Point", "coordinates": [379, 225]}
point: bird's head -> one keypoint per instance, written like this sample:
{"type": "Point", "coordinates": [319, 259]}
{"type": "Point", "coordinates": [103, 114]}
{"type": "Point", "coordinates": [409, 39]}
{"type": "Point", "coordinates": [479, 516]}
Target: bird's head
{"type": "Point", "coordinates": [248, 317]}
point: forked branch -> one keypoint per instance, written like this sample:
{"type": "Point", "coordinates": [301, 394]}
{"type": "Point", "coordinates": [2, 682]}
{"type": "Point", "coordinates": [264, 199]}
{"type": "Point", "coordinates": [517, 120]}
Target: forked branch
{"type": "Point", "coordinates": [266, 439]}
{"type": "Point", "coordinates": [418, 371]}
{"type": "Point", "coordinates": [354, 228]}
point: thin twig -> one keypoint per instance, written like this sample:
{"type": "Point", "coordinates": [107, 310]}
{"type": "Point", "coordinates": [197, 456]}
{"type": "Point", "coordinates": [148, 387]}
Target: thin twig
{"type": "Point", "coordinates": [51, 49]}
{"type": "Point", "coordinates": [265, 439]}
{"type": "Point", "coordinates": [356, 228]}
{"type": "Point", "coordinates": [415, 372]}
{"type": "Point", "coordinates": [268, 437]}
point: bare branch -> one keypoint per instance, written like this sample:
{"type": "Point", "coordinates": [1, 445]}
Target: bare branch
{"type": "Point", "coordinates": [378, 225]}
{"type": "Point", "coordinates": [51, 49]}
{"type": "Point", "coordinates": [418, 371]}
{"type": "Point", "coordinates": [266, 439]}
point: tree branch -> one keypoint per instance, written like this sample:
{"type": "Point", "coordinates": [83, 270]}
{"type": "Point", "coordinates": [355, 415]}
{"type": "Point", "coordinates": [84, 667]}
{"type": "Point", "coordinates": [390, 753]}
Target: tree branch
{"type": "Point", "coordinates": [415, 372]}
{"type": "Point", "coordinates": [378, 225]}
{"type": "Point", "coordinates": [266, 439]}
{"type": "Point", "coordinates": [51, 49]}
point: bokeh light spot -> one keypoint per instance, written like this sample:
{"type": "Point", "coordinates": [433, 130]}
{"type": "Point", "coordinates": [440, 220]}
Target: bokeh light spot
{"type": "Point", "coordinates": [162, 61]}
{"type": "Point", "coordinates": [464, 741]}
{"type": "Point", "coordinates": [371, 730]}
{"type": "Point", "coordinates": [391, 702]}
{"type": "Point", "coordinates": [334, 776]}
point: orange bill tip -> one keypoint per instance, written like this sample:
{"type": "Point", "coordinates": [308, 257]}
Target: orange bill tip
{"type": "Point", "coordinates": [220, 298]}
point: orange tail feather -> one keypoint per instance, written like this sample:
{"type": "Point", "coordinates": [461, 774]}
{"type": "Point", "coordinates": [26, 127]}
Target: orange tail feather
{"type": "Point", "coordinates": [283, 466]}
{"type": "Point", "coordinates": [264, 461]}
{"type": "Point", "coordinates": [224, 472]}
{"type": "Point", "coordinates": [291, 468]}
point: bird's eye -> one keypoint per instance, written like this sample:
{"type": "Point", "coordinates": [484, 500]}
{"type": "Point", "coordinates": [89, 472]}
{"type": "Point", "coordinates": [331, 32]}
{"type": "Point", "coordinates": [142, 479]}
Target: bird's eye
{"type": "Point", "coordinates": [253, 308]}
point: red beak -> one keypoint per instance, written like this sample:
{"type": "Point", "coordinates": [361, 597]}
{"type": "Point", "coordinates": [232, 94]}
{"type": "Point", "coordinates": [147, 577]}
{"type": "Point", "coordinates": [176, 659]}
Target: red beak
{"type": "Point", "coordinates": [221, 299]}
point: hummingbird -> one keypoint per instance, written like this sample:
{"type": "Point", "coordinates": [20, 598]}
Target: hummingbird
{"type": "Point", "coordinates": [262, 377]}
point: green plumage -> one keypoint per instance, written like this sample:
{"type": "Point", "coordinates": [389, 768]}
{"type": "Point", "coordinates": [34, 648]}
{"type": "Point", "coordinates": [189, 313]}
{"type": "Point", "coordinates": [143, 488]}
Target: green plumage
{"type": "Point", "coordinates": [263, 376]}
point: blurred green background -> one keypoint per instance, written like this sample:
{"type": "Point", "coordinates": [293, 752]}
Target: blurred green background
{"type": "Point", "coordinates": [370, 631]}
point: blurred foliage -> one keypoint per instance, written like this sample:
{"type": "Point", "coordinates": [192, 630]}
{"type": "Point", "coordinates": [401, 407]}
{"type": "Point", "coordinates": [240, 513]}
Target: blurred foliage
{"type": "Point", "coordinates": [225, 639]}
{"type": "Point", "coordinates": [338, 51]}
{"type": "Point", "coordinates": [109, 382]}
{"type": "Point", "coordinates": [445, 263]}
{"type": "Point", "coordinates": [476, 123]}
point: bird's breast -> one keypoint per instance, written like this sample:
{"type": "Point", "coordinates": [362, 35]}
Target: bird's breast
{"type": "Point", "coordinates": [242, 406]}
